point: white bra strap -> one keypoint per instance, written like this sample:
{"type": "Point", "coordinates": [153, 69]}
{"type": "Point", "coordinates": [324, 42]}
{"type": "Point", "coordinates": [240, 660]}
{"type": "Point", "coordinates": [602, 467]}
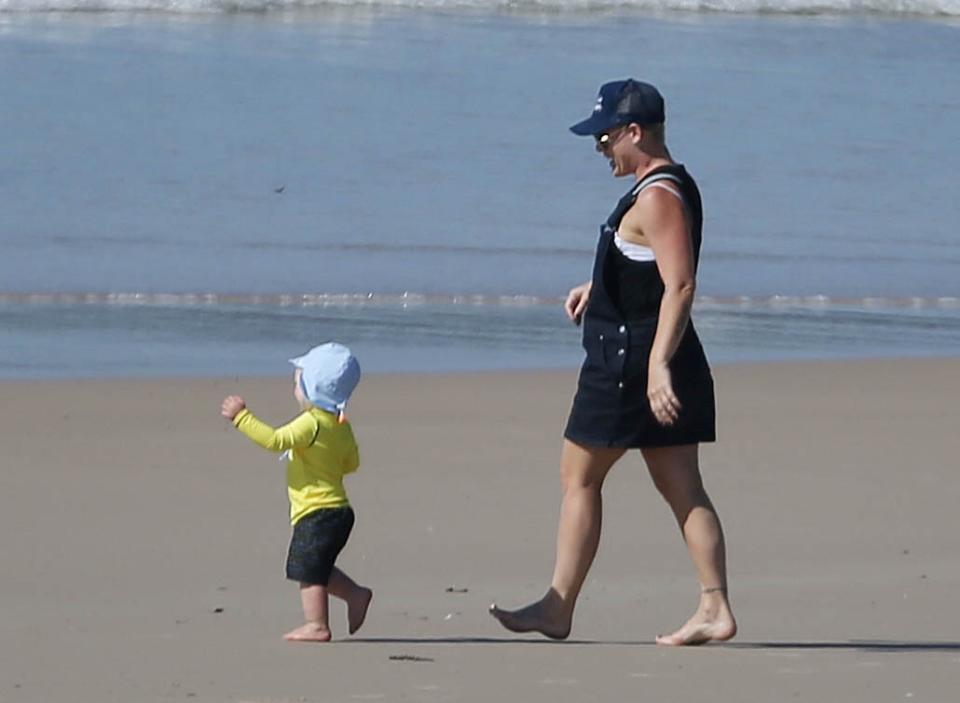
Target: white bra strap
{"type": "Point", "coordinates": [633, 251]}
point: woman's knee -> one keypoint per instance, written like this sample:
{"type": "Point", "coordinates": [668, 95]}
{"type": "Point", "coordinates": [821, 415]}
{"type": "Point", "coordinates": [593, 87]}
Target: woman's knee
{"type": "Point", "coordinates": [676, 474]}
{"type": "Point", "coordinates": [584, 468]}
{"type": "Point", "coordinates": [678, 484]}
{"type": "Point", "coordinates": [577, 478]}
{"type": "Point", "coordinates": [683, 501]}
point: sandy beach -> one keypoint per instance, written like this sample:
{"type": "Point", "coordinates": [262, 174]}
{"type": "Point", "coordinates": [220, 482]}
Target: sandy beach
{"type": "Point", "coordinates": [143, 542]}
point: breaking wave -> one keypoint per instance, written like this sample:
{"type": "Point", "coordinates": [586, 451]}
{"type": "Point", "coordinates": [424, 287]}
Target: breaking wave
{"type": "Point", "coordinates": [941, 8]}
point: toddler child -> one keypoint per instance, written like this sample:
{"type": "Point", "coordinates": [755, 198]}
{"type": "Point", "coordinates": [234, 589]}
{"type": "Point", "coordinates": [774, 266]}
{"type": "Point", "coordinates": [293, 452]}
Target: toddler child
{"type": "Point", "coordinates": [320, 449]}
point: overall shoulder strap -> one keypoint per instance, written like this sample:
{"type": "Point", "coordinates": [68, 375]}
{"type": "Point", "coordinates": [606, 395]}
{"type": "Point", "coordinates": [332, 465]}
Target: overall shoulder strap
{"type": "Point", "coordinates": [627, 201]}
{"type": "Point", "coordinates": [651, 179]}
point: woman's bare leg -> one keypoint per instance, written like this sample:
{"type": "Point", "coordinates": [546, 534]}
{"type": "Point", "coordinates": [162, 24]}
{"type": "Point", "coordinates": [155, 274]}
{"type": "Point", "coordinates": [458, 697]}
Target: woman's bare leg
{"type": "Point", "coordinates": [676, 474]}
{"type": "Point", "coordinates": [582, 472]}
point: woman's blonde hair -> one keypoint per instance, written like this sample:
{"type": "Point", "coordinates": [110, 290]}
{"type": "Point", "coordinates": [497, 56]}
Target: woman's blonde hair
{"type": "Point", "coordinates": [657, 132]}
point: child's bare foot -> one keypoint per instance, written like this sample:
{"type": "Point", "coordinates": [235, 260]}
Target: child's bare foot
{"type": "Point", "coordinates": [713, 622]}
{"type": "Point", "coordinates": [310, 632]}
{"type": "Point", "coordinates": [533, 618]}
{"type": "Point", "coordinates": [357, 609]}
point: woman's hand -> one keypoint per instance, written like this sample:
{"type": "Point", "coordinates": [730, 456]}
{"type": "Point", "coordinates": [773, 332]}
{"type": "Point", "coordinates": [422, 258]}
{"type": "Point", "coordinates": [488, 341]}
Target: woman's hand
{"type": "Point", "coordinates": [576, 302]}
{"type": "Point", "coordinates": [663, 402]}
{"type": "Point", "coordinates": [231, 407]}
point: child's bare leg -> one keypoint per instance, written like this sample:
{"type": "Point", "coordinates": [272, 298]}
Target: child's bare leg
{"type": "Point", "coordinates": [316, 628]}
{"type": "Point", "coordinates": [354, 595]}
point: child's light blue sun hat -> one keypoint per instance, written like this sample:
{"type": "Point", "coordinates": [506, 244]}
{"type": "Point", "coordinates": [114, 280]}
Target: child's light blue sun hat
{"type": "Point", "coordinates": [328, 374]}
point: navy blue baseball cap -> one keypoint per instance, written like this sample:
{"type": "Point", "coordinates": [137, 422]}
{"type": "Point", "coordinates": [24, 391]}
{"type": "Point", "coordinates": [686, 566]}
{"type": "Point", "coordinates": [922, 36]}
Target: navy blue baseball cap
{"type": "Point", "coordinates": [623, 102]}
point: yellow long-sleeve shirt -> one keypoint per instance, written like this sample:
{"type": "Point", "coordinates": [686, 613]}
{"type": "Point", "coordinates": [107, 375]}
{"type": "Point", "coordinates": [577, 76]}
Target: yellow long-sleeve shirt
{"type": "Point", "coordinates": [322, 450]}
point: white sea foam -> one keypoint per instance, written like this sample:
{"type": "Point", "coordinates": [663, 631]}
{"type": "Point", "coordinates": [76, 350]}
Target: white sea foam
{"type": "Point", "coordinates": [946, 8]}
{"type": "Point", "coordinates": [309, 300]}
{"type": "Point", "coordinates": [184, 334]}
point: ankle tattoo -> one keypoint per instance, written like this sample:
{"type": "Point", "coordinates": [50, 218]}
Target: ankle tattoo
{"type": "Point", "coordinates": [714, 589]}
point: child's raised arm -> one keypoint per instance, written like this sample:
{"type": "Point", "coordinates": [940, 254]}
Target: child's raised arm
{"type": "Point", "coordinates": [231, 406]}
{"type": "Point", "coordinates": [299, 432]}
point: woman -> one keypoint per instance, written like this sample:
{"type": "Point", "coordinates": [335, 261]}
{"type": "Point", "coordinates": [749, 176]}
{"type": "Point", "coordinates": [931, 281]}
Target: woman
{"type": "Point", "coordinates": [645, 382]}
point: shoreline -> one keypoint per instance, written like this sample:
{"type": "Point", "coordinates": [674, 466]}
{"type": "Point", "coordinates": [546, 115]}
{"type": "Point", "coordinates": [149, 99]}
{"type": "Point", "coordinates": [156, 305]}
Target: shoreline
{"type": "Point", "coordinates": [839, 359]}
{"type": "Point", "coordinates": [124, 341]}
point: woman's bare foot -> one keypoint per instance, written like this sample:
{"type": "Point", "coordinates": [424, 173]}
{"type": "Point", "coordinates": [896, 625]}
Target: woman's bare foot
{"type": "Point", "coordinates": [536, 617]}
{"type": "Point", "coordinates": [713, 622]}
{"type": "Point", "coordinates": [357, 609]}
{"type": "Point", "coordinates": [310, 632]}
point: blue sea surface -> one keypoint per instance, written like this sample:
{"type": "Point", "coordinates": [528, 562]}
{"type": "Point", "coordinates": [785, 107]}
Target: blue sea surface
{"type": "Point", "coordinates": [213, 191]}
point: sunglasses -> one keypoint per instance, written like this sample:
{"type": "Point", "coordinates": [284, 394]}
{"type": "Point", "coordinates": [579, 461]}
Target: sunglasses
{"type": "Point", "coordinates": [605, 139]}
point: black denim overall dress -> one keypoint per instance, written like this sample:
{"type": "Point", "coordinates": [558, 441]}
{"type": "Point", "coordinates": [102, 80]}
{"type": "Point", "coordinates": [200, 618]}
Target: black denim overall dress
{"type": "Point", "coordinates": [610, 408]}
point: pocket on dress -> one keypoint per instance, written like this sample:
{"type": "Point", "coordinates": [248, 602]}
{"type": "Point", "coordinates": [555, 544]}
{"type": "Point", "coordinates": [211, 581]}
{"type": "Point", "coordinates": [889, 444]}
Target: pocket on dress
{"type": "Point", "coordinates": [638, 351]}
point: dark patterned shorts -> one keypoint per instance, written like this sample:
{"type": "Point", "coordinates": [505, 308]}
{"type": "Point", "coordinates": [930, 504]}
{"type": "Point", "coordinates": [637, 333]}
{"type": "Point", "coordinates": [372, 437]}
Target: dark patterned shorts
{"type": "Point", "coordinates": [317, 539]}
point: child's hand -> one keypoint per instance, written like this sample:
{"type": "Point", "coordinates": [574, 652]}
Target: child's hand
{"type": "Point", "coordinates": [232, 405]}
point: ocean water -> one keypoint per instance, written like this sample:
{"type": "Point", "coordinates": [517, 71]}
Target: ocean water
{"type": "Point", "coordinates": [194, 187]}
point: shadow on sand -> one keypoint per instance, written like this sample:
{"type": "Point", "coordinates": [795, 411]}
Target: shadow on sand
{"type": "Point", "coordinates": [850, 645]}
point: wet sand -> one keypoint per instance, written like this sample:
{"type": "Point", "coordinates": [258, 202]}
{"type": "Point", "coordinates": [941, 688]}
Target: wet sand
{"type": "Point", "coordinates": [143, 541]}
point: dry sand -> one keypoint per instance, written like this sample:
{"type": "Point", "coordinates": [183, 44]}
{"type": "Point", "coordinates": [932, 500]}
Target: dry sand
{"type": "Point", "coordinates": [143, 540]}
